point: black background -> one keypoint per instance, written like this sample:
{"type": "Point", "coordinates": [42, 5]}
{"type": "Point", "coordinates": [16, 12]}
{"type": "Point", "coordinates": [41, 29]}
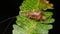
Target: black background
{"type": "Point", "coordinates": [10, 8]}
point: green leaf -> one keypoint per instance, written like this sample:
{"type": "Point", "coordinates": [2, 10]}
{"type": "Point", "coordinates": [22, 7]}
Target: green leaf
{"type": "Point", "coordinates": [42, 6]}
{"type": "Point", "coordinates": [18, 30]}
{"type": "Point", "coordinates": [21, 20]}
{"type": "Point", "coordinates": [44, 26]}
{"type": "Point", "coordinates": [49, 20]}
{"type": "Point", "coordinates": [25, 25]}
{"type": "Point", "coordinates": [48, 14]}
{"type": "Point", "coordinates": [28, 4]}
{"type": "Point", "coordinates": [41, 30]}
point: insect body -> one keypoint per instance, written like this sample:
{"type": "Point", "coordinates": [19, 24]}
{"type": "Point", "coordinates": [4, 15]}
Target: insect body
{"type": "Point", "coordinates": [36, 15]}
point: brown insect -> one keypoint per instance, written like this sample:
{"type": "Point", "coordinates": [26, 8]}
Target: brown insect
{"type": "Point", "coordinates": [36, 15]}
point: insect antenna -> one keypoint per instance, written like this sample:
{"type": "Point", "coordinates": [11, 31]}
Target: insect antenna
{"type": "Point", "coordinates": [7, 19]}
{"type": "Point", "coordinates": [12, 18]}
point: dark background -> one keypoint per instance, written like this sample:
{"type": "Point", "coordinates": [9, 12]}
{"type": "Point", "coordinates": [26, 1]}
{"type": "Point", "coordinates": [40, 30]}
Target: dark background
{"type": "Point", "coordinates": [10, 8]}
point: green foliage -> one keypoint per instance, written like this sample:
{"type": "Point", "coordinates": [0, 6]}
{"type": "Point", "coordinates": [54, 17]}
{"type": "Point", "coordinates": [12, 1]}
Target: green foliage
{"type": "Point", "coordinates": [50, 20]}
{"type": "Point", "coordinates": [28, 4]}
{"type": "Point", "coordinates": [24, 25]}
{"type": "Point", "coordinates": [18, 30]}
{"type": "Point", "coordinates": [33, 4]}
{"type": "Point", "coordinates": [48, 14]}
